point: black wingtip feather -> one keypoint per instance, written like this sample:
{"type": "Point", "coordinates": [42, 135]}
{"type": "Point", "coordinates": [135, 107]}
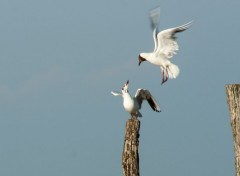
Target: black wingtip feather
{"type": "Point", "coordinates": [152, 104]}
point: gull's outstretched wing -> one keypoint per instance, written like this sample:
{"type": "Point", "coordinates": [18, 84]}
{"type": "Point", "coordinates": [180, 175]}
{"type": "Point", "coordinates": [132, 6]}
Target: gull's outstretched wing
{"type": "Point", "coordinates": [143, 94]}
{"type": "Point", "coordinates": [154, 18]}
{"type": "Point", "coordinates": [116, 93]}
{"type": "Point", "coordinates": [166, 39]}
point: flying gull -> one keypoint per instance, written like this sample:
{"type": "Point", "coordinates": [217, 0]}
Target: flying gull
{"type": "Point", "coordinates": [133, 104]}
{"type": "Point", "coordinates": [165, 47]}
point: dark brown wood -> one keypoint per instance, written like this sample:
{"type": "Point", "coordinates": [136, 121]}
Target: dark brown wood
{"type": "Point", "coordinates": [130, 157]}
{"type": "Point", "coordinates": [233, 99]}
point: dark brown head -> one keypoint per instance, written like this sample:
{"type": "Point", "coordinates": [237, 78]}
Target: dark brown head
{"type": "Point", "coordinates": [125, 87]}
{"type": "Point", "coordinates": [140, 59]}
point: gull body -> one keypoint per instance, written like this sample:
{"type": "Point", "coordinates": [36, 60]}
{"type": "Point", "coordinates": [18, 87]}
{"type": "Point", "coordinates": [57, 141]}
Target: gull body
{"type": "Point", "coordinates": [133, 104]}
{"type": "Point", "coordinates": [165, 46]}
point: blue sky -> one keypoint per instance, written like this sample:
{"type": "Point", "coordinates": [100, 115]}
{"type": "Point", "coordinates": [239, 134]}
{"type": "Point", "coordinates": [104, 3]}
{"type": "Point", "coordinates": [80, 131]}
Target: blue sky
{"type": "Point", "coordinates": [60, 60]}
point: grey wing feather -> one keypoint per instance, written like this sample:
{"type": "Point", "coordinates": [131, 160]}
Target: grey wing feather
{"type": "Point", "coordinates": [183, 27]}
{"type": "Point", "coordinates": [166, 40]}
{"type": "Point", "coordinates": [139, 97]}
{"type": "Point", "coordinates": [154, 18]}
{"type": "Point", "coordinates": [143, 94]}
{"type": "Point", "coordinates": [169, 33]}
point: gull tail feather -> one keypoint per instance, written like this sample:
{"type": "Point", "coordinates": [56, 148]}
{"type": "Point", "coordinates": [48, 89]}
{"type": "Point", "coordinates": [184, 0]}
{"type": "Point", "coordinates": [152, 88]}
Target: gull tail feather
{"type": "Point", "coordinates": [173, 70]}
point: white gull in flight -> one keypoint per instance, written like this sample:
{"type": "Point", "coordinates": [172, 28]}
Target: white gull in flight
{"type": "Point", "coordinates": [133, 104]}
{"type": "Point", "coordinates": [165, 47]}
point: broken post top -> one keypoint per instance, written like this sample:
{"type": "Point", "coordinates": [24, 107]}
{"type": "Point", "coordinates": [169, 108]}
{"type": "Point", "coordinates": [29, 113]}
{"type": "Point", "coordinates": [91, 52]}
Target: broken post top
{"type": "Point", "coordinates": [232, 88]}
{"type": "Point", "coordinates": [232, 84]}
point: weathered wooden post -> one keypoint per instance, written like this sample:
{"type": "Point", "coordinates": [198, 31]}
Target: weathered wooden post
{"type": "Point", "coordinates": [130, 157]}
{"type": "Point", "coordinates": [233, 99]}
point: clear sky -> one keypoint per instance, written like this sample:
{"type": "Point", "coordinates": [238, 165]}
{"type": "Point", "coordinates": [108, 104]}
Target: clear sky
{"type": "Point", "coordinates": [61, 58]}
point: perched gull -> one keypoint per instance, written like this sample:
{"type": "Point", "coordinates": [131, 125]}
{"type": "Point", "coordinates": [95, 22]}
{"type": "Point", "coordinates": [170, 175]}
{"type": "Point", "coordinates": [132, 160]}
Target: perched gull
{"type": "Point", "coordinates": [133, 105]}
{"type": "Point", "coordinates": [165, 47]}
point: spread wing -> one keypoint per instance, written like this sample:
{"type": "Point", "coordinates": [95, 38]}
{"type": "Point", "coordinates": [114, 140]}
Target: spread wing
{"type": "Point", "coordinates": [143, 94]}
{"type": "Point", "coordinates": [154, 18]}
{"type": "Point", "coordinates": [166, 39]}
{"type": "Point", "coordinates": [116, 93]}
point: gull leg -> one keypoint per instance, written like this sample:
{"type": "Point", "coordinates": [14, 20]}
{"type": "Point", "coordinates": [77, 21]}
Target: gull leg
{"type": "Point", "coordinates": [166, 77]}
{"type": "Point", "coordinates": [163, 79]}
{"type": "Point", "coordinates": [133, 116]}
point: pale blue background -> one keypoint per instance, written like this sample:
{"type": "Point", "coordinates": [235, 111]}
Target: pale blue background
{"type": "Point", "coordinates": [59, 60]}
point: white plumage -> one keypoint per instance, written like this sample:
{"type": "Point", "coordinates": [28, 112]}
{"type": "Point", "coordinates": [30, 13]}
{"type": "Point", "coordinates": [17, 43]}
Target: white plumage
{"type": "Point", "coordinates": [133, 104]}
{"type": "Point", "coordinates": [165, 46]}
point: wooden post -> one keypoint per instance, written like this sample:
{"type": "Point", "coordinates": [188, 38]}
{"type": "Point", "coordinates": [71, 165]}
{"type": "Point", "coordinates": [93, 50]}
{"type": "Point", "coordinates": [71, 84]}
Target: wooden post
{"type": "Point", "coordinates": [130, 157]}
{"type": "Point", "coordinates": [233, 99]}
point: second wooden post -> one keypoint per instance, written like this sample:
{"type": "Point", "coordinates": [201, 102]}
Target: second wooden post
{"type": "Point", "coordinates": [233, 99]}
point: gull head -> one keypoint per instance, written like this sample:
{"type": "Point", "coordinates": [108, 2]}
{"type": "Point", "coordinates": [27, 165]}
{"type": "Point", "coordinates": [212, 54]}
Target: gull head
{"type": "Point", "coordinates": [140, 59]}
{"type": "Point", "coordinates": [125, 87]}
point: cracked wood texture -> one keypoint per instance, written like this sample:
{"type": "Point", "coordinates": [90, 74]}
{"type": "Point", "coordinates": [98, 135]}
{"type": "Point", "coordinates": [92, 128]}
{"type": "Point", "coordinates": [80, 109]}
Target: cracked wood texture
{"type": "Point", "coordinates": [233, 99]}
{"type": "Point", "coordinates": [130, 157]}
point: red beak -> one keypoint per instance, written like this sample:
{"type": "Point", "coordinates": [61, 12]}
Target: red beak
{"type": "Point", "coordinates": [139, 63]}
